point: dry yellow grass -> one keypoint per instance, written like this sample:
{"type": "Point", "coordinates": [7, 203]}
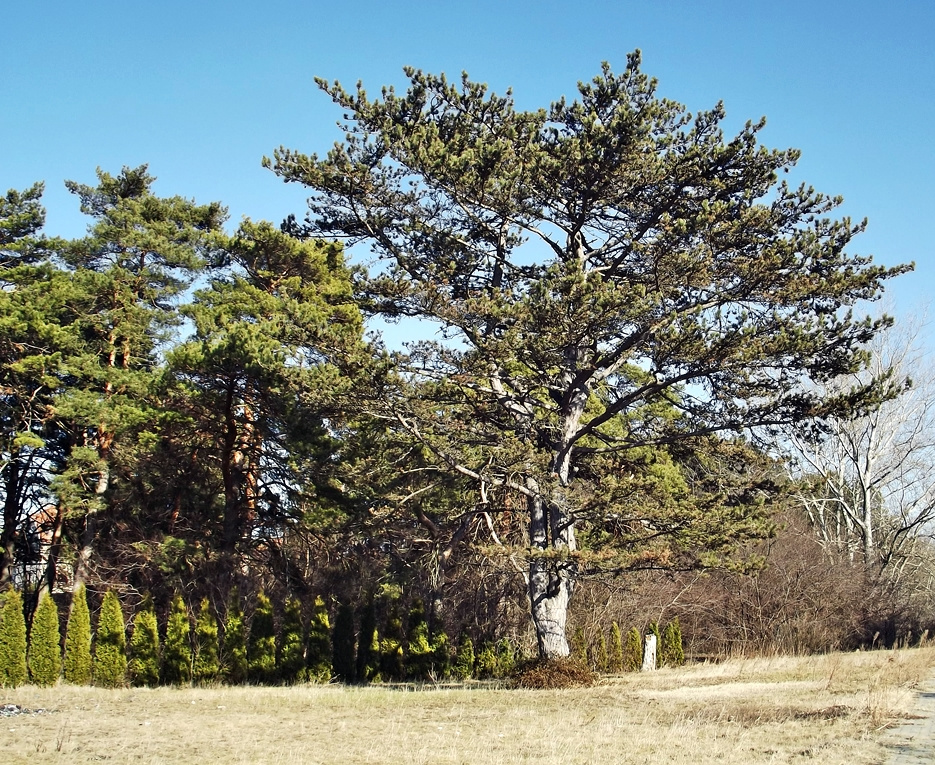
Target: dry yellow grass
{"type": "Point", "coordinates": [829, 709]}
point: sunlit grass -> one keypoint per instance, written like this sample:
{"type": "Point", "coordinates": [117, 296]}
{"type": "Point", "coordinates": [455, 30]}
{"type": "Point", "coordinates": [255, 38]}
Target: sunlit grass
{"type": "Point", "coordinates": [830, 709]}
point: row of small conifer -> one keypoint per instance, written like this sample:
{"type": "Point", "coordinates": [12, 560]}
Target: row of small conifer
{"type": "Point", "coordinates": [255, 653]}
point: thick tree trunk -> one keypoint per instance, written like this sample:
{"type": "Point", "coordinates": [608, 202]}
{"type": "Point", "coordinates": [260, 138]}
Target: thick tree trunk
{"type": "Point", "coordinates": [551, 578]}
{"type": "Point", "coordinates": [11, 509]}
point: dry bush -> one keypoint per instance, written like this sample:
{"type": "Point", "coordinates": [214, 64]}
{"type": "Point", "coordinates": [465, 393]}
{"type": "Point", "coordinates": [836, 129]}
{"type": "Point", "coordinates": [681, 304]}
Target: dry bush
{"type": "Point", "coordinates": [556, 673]}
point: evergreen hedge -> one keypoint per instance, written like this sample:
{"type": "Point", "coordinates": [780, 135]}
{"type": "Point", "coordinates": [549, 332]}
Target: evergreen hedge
{"type": "Point", "coordinates": [13, 669]}
{"type": "Point", "coordinates": [110, 644]}
{"type": "Point", "coordinates": [144, 647]}
{"type": "Point", "coordinates": [206, 666]}
{"type": "Point", "coordinates": [419, 657]}
{"type": "Point", "coordinates": [261, 646]}
{"type": "Point", "coordinates": [45, 644]}
{"type": "Point", "coordinates": [672, 653]}
{"type": "Point", "coordinates": [292, 644]}
{"type": "Point", "coordinates": [615, 660]}
{"type": "Point", "coordinates": [235, 643]}
{"type": "Point", "coordinates": [177, 650]}
{"type": "Point", "coordinates": [633, 651]}
{"type": "Point", "coordinates": [368, 645]}
{"type": "Point", "coordinates": [463, 668]}
{"type": "Point", "coordinates": [319, 644]}
{"type": "Point", "coordinates": [77, 664]}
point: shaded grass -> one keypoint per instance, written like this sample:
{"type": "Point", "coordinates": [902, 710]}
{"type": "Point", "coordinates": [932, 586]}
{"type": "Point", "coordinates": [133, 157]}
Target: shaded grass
{"type": "Point", "coordinates": [830, 709]}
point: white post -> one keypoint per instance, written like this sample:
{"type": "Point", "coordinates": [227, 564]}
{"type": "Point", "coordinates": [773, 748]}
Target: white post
{"type": "Point", "coordinates": [649, 653]}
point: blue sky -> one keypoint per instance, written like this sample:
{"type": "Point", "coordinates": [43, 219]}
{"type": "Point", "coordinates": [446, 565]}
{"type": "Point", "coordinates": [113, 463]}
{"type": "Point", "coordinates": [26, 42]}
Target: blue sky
{"type": "Point", "coordinates": [202, 90]}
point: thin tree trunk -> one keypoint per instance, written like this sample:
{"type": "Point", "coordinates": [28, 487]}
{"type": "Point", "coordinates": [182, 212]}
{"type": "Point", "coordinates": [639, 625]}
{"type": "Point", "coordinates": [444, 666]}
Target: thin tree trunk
{"type": "Point", "coordinates": [11, 508]}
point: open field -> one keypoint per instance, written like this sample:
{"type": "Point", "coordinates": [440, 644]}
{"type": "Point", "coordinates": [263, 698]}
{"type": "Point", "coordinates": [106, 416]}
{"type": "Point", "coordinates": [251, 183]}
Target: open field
{"type": "Point", "coordinates": [828, 709]}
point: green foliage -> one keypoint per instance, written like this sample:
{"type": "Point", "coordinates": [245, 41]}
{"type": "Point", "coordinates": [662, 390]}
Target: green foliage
{"type": "Point", "coordinates": [671, 652]}
{"type": "Point", "coordinates": [110, 644]}
{"type": "Point", "coordinates": [463, 668]}
{"type": "Point", "coordinates": [144, 646]}
{"type": "Point", "coordinates": [392, 666]}
{"type": "Point", "coordinates": [13, 670]}
{"type": "Point", "coordinates": [261, 648]}
{"type": "Point", "coordinates": [486, 666]}
{"type": "Point", "coordinates": [419, 658]}
{"type": "Point", "coordinates": [368, 645]}
{"type": "Point", "coordinates": [343, 645]}
{"type": "Point", "coordinates": [292, 643]}
{"type": "Point", "coordinates": [78, 640]}
{"type": "Point", "coordinates": [45, 649]}
{"type": "Point", "coordinates": [206, 666]}
{"type": "Point", "coordinates": [177, 651]}
{"type": "Point", "coordinates": [633, 651]}
{"type": "Point", "coordinates": [318, 656]}
{"type": "Point", "coordinates": [615, 660]}
{"type": "Point", "coordinates": [441, 653]}
{"type": "Point", "coordinates": [506, 657]}
{"type": "Point", "coordinates": [235, 664]}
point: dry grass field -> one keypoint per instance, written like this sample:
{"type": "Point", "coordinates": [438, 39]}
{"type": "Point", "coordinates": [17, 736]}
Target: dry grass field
{"type": "Point", "coordinates": [828, 709]}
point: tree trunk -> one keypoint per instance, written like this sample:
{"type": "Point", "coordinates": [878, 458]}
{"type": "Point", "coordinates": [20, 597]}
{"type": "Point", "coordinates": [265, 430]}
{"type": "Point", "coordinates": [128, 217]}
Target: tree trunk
{"type": "Point", "coordinates": [11, 509]}
{"type": "Point", "coordinates": [551, 579]}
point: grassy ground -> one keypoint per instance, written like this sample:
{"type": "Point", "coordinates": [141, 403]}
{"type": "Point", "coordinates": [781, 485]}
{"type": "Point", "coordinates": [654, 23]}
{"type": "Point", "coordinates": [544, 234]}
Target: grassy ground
{"type": "Point", "coordinates": [829, 709]}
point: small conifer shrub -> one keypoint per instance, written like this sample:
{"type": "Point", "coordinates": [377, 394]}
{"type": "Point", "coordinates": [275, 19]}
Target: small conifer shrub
{"type": "Point", "coordinates": [77, 664]}
{"type": "Point", "coordinates": [261, 647]}
{"type": "Point", "coordinates": [599, 658]}
{"type": "Point", "coordinates": [206, 666]}
{"type": "Point", "coordinates": [485, 664]}
{"type": "Point", "coordinates": [318, 653]}
{"type": "Point", "coordinates": [235, 643]}
{"type": "Point", "coordinates": [368, 645]}
{"type": "Point", "coordinates": [419, 649]}
{"type": "Point", "coordinates": [45, 648]}
{"type": "Point", "coordinates": [463, 668]}
{"type": "Point", "coordinates": [615, 660]}
{"type": "Point", "coordinates": [672, 654]}
{"type": "Point", "coordinates": [13, 669]}
{"type": "Point", "coordinates": [110, 644]}
{"type": "Point", "coordinates": [392, 668]}
{"type": "Point", "coordinates": [441, 654]}
{"type": "Point", "coordinates": [633, 651]}
{"type": "Point", "coordinates": [579, 646]}
{"type": "Point", "coordinates": [506, 658]}
{"type": "Point", "coordinates": [177, 651]}
{"type": "Point", "coordinates": [144, 646]}
{"type": "Point", "coordinates": [292, 644]}
{"type": "Point", "coordinates": [342, 643]}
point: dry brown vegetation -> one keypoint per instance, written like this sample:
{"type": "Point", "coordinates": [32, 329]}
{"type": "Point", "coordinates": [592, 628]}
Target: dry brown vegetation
{"type": "Point", "coordinates": [829, 709]}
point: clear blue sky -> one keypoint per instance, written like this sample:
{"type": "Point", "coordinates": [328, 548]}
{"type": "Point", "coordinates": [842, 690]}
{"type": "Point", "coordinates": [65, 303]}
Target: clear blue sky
{"type": "Point", "coordinates": [202, 90]}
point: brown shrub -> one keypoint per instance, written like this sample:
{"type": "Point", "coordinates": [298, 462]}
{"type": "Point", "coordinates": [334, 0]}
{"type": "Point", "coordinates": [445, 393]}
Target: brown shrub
{"type": "Point", "coordinates": [548, 674]}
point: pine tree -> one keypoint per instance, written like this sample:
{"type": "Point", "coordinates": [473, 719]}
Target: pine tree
{"type": "Point", "coordinates": [318, 655]}
{"type": "Point", "coordinates": [177, 651]}
{"type": "Point", "coordinates": [418, 648]}
{"type": "Point", "coordinates": [144, 646]}
{"type": "Point", "coordinates": [206, 666]}
{"type": "Point", "coordinates": [464, 659]}
{"type": "Point", "coordinates": [261, 646]}
{"type": "Point", "coordinates": [392, 667]}
{"type": "Point", "coordinates": [45, 649]}
{"type": "Point", "coordinates": [13, 670]}
{"type": "Point", "coordinates": [110, 644]}
{"type": "Point", "coordinates": [671, 653]}
{"type": "Point", "coordinates": [368, 645]}
{"type": "Point", "coordinates": [616, 649]}
{"type": "Point", "coordinates": [78, 640]}
{"type": "Point", "coordinates": [633, 651]}
{"type": "Point", "coordinates": [235, 643]}
{"type": "Point", "coordinates": [292, 644]}
{"type": "Point", "coordinates": [343, 645]}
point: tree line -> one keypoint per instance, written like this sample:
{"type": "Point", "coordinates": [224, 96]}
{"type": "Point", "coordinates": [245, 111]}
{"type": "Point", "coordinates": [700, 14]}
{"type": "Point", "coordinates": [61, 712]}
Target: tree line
{"type": "Point", "coordinates": [634, 317]}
